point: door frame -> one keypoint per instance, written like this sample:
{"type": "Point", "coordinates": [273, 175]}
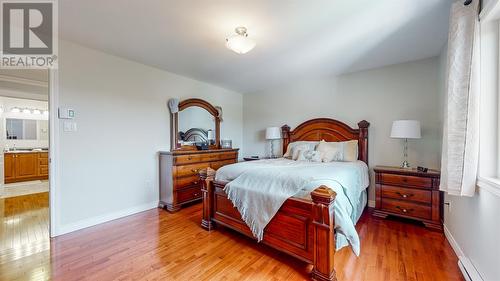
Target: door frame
{"type": "Point", "coordinates": [54, 172]}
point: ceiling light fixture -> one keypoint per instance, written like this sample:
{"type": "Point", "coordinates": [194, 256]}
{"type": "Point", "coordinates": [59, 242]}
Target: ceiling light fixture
{"type": "Point", "coordinates": [37, 111]}
{"type": "Point", "coordinates": [15, 110]}
{"type": "Point", "coordinates": [240, 43]}
{"type": "Point", "coordinates": [26, 110]}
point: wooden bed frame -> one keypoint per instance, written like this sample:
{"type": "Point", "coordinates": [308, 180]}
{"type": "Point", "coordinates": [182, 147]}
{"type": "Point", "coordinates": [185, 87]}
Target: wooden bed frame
{"type": "Point", "coordinates": [301, 228]}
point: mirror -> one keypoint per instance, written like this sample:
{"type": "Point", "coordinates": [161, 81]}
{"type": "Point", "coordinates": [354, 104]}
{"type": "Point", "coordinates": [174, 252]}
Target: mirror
{"type": "Point", "coordinates": [196, 125]}
{"type": "Point", "coordinates": [20, 129]}
{"type": "Point", "coordinates": [193, 123]}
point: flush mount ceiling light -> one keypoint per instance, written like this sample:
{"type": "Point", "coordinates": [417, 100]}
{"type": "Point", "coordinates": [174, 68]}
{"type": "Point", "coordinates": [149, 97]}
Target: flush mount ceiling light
{"type": "Point", "coordinates": [240, 43]}
{"type": "Point", "coordinates": [15, 110]}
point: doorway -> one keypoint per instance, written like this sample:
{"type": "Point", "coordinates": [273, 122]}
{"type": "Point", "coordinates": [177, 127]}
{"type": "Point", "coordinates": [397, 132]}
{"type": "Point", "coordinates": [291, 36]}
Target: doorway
{"type": "Point", "coordinates": [24, 172]}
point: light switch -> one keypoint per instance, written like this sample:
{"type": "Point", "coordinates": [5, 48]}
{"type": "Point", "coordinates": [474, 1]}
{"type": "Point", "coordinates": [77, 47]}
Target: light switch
{"type": "Point", "coordinates": [66, 113]}
{"type": "Point", "coordinates": [69, 126]}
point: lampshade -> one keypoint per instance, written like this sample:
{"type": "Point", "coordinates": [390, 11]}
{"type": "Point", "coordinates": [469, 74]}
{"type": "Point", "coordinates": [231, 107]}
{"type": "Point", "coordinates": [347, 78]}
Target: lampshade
{"type": "Point", "coordinates": [273, 133]}
{"type": "Point", "coordinates": [406, 129]}
{"type": "Point", "coordinates": [240, 43]}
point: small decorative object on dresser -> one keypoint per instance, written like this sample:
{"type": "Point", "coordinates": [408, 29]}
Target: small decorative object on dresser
{"type": "Point", "coordinates": [409, 193]}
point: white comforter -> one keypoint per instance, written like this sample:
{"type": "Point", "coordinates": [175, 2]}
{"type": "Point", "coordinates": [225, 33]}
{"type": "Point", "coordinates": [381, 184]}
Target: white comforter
{"type": "Point", "coordinates": [259, 188]}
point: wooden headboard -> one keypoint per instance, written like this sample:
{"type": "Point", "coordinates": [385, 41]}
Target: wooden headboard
{"type": "Point", "coordinates": [329, 130]}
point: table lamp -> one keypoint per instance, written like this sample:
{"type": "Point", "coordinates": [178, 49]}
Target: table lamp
{"type": "Point", "coordinates": [405, 129]}
{"type": "Point", "coordinates": [273, 133]}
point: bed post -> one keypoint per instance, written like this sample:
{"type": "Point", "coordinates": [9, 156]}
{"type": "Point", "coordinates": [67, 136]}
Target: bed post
{"type": "Point", "coordinates": [324, 238]}
{"type": "Point", "coordinates": [207, 179]}
{"type": "Point", "coordinates": [285, 134]}
{"type": "Point", "coordinates": [363, 141]}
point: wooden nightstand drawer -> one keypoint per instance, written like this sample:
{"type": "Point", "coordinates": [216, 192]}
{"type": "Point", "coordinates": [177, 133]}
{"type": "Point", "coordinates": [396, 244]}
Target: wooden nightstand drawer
{"type": "Point", "coordinates": [409, 193]}
{"type": "Point", "coordinates": [404, 180]}
{"type": "Point", "coordinates": [406, 208]}
{"type": "Point", "coordinates": [406, 194]}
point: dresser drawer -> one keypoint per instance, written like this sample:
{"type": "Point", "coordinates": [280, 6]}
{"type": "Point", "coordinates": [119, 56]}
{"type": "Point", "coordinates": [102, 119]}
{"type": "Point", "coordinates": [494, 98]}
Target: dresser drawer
{"type": "Point", "coordinates": [394, 179]}
{"type": "Point", "coordinates": [228, 155]}
{"type": "Point", "coordinates": [406, 208]}
{"type": "Point", "coordinates": [183, 182]}
{"type": "Point", "coordinates": [218, 164]}
{"type": "Point", "coordinates": [406, 194]}
{"type": "Point", "coordinates": [189, 193]}
{"type": "Point", "coordinates": [43, 170]}
{"type": "Point", "coordinates": [196, 158]}
{"type": "Point", "coordinates": [189, 170]}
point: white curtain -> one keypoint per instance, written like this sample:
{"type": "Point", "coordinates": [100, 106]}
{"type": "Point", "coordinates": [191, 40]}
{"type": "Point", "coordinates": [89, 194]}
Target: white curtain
{"type": "Point", "coordinates": [460, 155]}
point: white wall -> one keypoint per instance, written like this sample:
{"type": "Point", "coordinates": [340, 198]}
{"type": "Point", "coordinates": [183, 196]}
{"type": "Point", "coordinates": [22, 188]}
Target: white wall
{"type": "Point", "coordinates": [472, 223]}
{"type": "Point", "coordinates": [403, 91]}
{"type": "Point", "coordinates": [109, 167]}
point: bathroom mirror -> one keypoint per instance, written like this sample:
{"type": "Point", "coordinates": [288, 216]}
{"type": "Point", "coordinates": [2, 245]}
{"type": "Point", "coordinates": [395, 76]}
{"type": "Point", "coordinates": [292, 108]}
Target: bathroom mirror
{"type": "Point", "coordinates": [20, 129]}
{"type": "Point", "coordinates": [196, 122]}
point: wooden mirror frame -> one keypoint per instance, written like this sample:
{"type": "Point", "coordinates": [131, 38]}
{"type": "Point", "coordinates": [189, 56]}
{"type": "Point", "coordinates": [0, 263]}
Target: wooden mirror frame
{"type": "Point", "coordinates": [174, 124]}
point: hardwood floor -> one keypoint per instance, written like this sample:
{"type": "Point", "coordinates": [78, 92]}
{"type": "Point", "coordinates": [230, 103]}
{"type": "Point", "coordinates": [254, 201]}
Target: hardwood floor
{"type": "Point", "coordinates": [156, 245]}
{"type": "Point", "coordinates": [24, 237]}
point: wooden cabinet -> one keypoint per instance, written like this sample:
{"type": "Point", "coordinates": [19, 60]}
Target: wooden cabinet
{"type": "Point", "coordinates": [179, 180]}
{"type": "Point", "coordinates": [9, 165]}
{"type": "Point", "coordinates": [25, 166]}
{"type": "Point", "coordinates": [410, 194]}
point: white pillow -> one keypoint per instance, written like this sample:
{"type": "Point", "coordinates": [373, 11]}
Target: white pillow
{"type": "Point", "coordinates": [338, 151]}
{"type": "Point", "coordinates": [298, 148]}
{"type": "Point", "coordinates": [291, 147]}
{"type": "Point", "coordinates": [309, 155]}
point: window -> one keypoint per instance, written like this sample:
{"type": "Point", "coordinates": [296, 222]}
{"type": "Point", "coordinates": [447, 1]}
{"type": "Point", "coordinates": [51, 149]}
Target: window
{"type": "Point", "coordinates": [489, 159]}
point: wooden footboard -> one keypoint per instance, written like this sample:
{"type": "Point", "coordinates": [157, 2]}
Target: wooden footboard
{"type": "Point", "coordinates": [301, 228]}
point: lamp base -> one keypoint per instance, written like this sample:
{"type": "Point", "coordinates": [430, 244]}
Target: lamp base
{"type": "Point", "coordinates": [405, 165]}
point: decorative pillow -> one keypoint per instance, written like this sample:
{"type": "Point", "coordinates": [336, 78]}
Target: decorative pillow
{"type": "Point", "coordinates": [291, 147]}
{"type": "Point", "coordinates": [296, 150]}
{"type": "Point", "coordinates": [309, 155]}
{"type": "Point", "coordinates": [338, 151]}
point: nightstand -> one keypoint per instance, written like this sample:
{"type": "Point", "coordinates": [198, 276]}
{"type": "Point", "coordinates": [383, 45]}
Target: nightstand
{"type": "Point", "coordinates": [410, 194]}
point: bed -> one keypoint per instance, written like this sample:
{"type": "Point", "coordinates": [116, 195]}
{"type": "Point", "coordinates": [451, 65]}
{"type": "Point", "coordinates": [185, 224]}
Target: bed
{"type": "Point", "coordinates": [304, 226]}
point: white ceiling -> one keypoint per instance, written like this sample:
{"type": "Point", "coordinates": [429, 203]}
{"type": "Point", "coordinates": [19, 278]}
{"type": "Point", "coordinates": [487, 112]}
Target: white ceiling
{"type": "Point", "coordinates": [294, 38]}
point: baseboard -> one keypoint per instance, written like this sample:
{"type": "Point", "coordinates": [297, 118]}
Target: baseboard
{"type": "Point", "coordinates": [469, 272]}
{"type": "Point", "coordinates": [371, 203]}
{"type": "Point", "coordinates": [64, 229]}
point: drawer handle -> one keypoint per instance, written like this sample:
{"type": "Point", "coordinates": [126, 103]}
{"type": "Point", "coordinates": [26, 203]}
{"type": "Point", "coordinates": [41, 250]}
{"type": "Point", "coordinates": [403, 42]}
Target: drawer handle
{"type": "Point", "coordinates": [405, 179]}
{"type": "Point", "coordinates": [196, 194]}
{"type": "Point", "coordinates": [404, 210]}
{"type": "Point", "coordinates": [404, 195]}
{"type": "Point", "coordinates": [195, 170]}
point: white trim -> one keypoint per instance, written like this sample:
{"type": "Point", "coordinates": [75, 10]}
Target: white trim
{"type": "Point", "coordinates": [54, 172]}
{"type": "Point", "coordinates": [105, 218]}
{"type": "Point", "coordinates": [24, 81]}
{"type": "Point", "coordinates": [468, 270]}
{"type": "Point", "coordinates": [24, 95]}
{"type": "Point", "coordinates": [371, 203]}
{"type": "Point", "coordinates": [489, 184]}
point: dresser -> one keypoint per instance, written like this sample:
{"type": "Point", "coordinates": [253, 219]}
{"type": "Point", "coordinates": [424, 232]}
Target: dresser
{"type": "Point", "coordinates": [179, 180]}
{"type": "Point", "coordinates": [410, 194]}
